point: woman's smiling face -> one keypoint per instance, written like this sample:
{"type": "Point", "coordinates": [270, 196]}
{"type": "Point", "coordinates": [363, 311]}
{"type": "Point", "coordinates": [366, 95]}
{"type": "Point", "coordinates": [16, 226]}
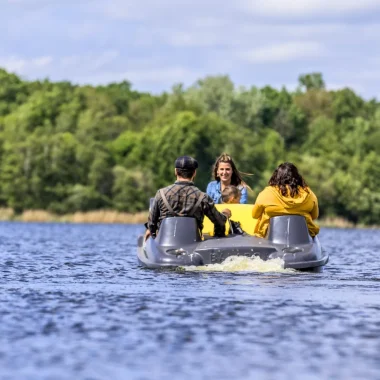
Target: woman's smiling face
{"type": "Point", "coordinates": [224, 172]}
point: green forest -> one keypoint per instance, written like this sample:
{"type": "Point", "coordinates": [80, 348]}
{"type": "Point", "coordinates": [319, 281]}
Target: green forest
{"type": "Point", "coordinates": [67, 148]}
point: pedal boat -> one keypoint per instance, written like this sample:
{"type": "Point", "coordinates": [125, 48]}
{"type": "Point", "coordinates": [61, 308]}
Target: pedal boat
{"type": "Point", "coordinates": [179, 243]}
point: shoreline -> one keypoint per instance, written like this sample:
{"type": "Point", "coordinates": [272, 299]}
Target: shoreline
{"type": "Point", "coordinates": [90, 217]}
{"type": "Point", "coordinates": [116, 217]}
{"type": "Point", "coordinates": [338, 222]}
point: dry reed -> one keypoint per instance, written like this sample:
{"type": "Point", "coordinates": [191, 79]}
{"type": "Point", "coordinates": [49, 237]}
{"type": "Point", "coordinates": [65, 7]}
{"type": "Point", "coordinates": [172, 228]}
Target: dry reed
{"type": "Point", "coordinates": [106, 216]}
{"type": "Point", "coordinates": [36, 216]}
{"type": "Point", "coordinates": [6, 213]}
{"type": "Point", "coordinates": [335, 222]}
{"type": "Point", "coordinates": [111, 216]}
{"type": "Point", "coordinates": [99, 216]}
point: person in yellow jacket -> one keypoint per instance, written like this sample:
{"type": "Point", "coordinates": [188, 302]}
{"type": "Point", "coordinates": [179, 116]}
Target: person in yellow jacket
{"type": "Point", "coordinates": [286, 194]}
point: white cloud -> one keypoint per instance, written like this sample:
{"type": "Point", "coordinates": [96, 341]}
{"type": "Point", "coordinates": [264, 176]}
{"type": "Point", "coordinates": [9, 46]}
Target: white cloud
{"type": "Point", "coordinates": [12, 64]}
{"type": "Point", "coordinates": [30, 5]}
{"type": "Point", "coordinates": [166, 41]}
{"type": "Point", "coordinates": [229, 34]}
{"type": "Point", "coordinates": [104, 59]}
{"type": "Point", "coordinates": [144, 78]}
{"type": "Point", "coordinates": [72, 60]}
{"type": "Point", "coordinates": [42, 61]}
{"type": "Point", "coordinates": [24, 66]}
{"type": "Point", "coordinates": [84, 30]}
{"type": "Point", "coordinates": [191, 38]}
{"type": "Point", "coordinates": [131, 9]}
{"type": "Point", "coordinates": [284, 52]}
{"type": "Point", "coordinates": [286, 8]}
{"type": "Point", "coordinates": [157, 11]}
{"type": "Point", "coordinates": [175, 11]}
{"type": "Point", "coordinates": [26, 1]}
{"type": "Point", "coordinates": [368, 75]}
{"type": "Point", "coordinates": [89, 62]}
{"type": "Point", "coordinates": [97, 69]}
{"type": "Point", "coordinates": [168, 74]}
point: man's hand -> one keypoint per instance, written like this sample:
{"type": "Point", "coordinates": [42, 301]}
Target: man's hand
{"type": "Point", "coordinates": [147, 235]}
{"type": "Point", "coordinates": [227, 212]}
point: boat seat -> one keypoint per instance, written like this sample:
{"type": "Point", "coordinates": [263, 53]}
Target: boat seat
{"type": "Point", "coordinates": [289, 230]}
{"type": "Point", "coordinates": [178, 231]}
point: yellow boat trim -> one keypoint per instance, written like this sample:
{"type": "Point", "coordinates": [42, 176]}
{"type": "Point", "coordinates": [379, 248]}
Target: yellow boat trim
{"type": "Point", "coordinates": [240, 213]}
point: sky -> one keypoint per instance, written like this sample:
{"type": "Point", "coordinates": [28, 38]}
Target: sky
{"type": "Point", "coordinates": [155, 44]}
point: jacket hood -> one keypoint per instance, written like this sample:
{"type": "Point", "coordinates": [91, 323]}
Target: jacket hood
{"type": "Point", "coordinates": [288, 201]}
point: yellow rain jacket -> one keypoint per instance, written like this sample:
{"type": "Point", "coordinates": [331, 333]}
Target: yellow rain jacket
{"type": "Point", "coordinates": [270, 202]}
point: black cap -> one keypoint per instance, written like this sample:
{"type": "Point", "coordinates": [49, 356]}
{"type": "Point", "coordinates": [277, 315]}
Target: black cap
{"type": "Point", "coordinates": [186, 163]}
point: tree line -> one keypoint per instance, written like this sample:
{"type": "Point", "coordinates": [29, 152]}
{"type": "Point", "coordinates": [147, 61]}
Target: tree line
{"type": "Point", "coordinates": [67, 148]}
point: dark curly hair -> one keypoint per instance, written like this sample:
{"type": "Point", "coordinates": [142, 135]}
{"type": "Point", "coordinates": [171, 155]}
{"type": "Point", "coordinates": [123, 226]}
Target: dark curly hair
{"type": "Point", "coordinates": [287, 178]}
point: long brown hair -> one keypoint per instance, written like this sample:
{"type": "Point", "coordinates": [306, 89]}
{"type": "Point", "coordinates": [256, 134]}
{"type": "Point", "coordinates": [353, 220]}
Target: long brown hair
{"type": "Point", "coordinates": [287, 178]}
{"type": "Point", "coordinates": [236, 178]}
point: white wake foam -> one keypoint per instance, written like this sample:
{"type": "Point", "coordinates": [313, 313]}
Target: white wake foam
{"type": "Point", "coordinates": [243, 264]}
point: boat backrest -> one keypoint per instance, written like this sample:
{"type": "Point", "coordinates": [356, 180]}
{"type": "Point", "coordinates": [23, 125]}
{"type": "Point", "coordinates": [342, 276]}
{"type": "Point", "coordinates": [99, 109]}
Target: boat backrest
{"type": "Point", "coordinates": [289, 230]}
{"type": "Point", "coordinates": [178, 231]}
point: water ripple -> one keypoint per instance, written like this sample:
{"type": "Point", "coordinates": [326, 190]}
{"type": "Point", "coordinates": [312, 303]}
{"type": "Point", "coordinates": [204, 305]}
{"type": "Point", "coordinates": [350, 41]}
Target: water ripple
{"type": "Point", "coordinates": [75, 304]}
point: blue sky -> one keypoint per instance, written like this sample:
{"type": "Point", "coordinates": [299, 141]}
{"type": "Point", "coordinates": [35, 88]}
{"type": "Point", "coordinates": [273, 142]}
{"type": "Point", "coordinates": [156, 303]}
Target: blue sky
{"type": "Point", "coordinates": [157, 43]}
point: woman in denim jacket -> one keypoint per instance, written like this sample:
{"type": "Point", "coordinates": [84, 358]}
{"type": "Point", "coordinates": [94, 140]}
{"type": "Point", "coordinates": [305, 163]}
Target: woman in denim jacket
{"type": "Point", "coordinates": [225, 174]}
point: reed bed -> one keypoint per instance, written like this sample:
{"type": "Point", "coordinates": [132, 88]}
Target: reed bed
{"type": "Point", "coordinates": [112, 216]}
{"type": "Point", "coordinates": [99, 216]}
{"type": "Point", "coordinates": [6, 213]}
{"type": "Point", "coordinates": [36, 216]}
{"type": "Point", "coordinates": [106, 216]}
{"type": "Point", "coordinates": [335, 222]}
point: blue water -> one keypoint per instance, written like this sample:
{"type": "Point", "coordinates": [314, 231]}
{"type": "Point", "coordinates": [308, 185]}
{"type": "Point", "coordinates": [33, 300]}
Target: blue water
{"type": "Point", "coordinates": [75, 305]}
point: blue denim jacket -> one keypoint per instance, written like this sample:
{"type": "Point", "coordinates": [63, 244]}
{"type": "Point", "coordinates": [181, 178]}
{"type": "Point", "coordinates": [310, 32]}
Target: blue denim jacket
{"type": "Point", "coordinates": [213, 190]}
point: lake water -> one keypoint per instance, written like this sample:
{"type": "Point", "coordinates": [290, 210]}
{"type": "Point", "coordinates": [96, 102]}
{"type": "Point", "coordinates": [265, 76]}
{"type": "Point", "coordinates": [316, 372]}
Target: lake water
{"type": "Point", "coordinates": [74, 304]}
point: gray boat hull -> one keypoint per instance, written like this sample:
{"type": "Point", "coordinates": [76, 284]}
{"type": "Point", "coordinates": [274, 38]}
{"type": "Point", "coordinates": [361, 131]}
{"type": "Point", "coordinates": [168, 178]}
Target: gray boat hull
{"type": "Point", "coordinates": [179, 244]}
